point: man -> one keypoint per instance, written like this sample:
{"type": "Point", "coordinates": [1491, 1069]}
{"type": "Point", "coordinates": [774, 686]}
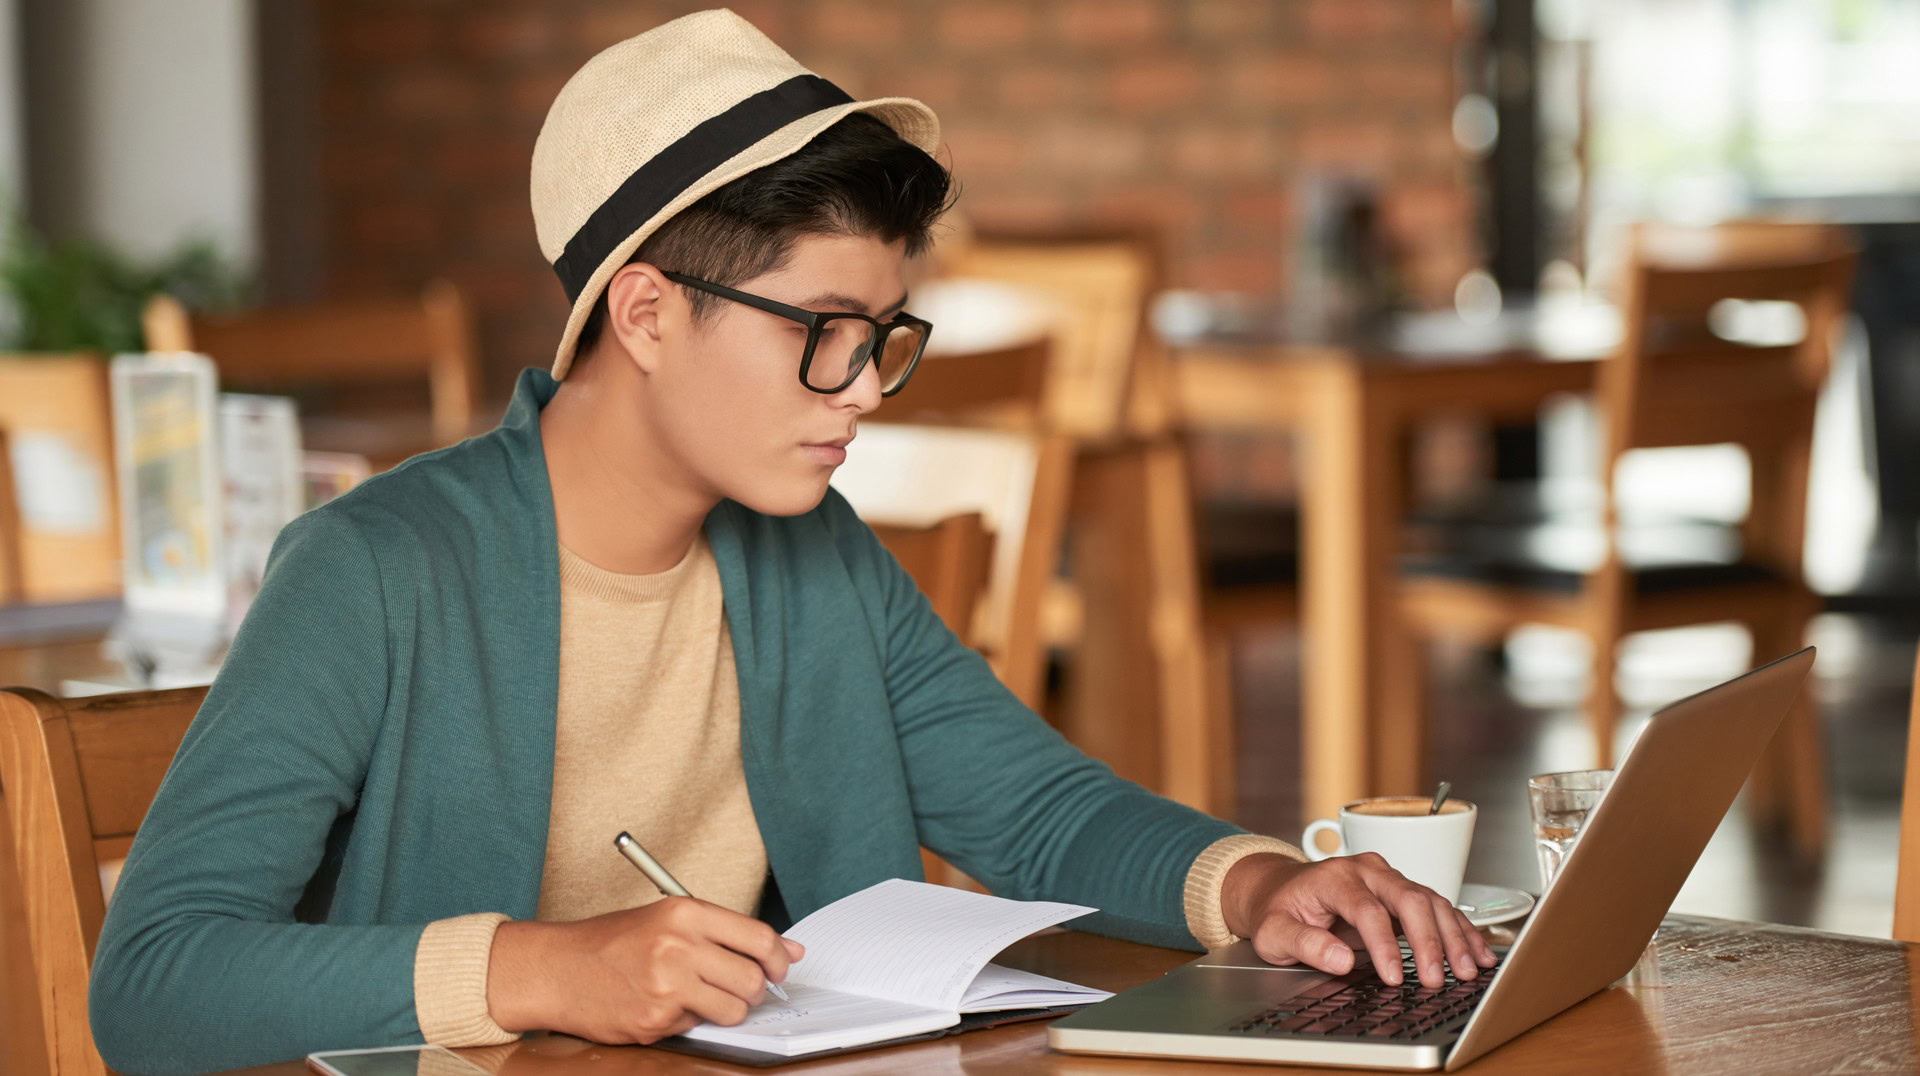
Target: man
{"type": "Point", "coordinates": [637, 605]}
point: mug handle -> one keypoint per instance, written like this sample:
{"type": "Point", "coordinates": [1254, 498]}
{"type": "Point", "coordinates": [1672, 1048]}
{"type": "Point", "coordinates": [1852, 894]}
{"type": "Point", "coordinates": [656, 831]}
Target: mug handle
{"type": "Point", "coordinates": [1312, 849]}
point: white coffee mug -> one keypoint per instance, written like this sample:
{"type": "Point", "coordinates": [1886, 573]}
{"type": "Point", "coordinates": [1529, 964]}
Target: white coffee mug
{"type": "Point", "coordinates": [1430, 849]}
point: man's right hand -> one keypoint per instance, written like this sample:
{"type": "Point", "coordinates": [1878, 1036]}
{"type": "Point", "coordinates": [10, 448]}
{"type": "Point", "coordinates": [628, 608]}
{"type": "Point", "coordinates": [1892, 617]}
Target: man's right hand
{"type": "Point", "coordinates": [634, 976]}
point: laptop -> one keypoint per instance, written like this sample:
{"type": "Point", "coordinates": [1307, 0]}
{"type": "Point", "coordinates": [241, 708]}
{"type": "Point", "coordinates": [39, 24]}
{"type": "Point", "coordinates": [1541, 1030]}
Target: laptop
{"type": "Point", "coordinates": [1636, 850]}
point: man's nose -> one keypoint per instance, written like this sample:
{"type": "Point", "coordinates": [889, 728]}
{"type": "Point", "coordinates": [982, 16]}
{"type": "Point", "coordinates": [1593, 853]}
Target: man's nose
{"type": "Point", "coordinates": [864, 394]}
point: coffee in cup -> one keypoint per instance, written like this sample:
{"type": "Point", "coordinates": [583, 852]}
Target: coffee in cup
{"type": "Point", "coordinates": [1430, 849]}
{"type": "Point", "coordinates": [1403, 806]}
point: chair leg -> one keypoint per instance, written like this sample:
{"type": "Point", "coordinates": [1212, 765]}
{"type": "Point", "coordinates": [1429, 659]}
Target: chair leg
{"type": "Point", "coordinates": [1806, 779]}
{"type": "Point", "coordinates": [1603, 702]}
{"type": "Point", "coordinates": [1222, 794]}
{"type": "Point", "coordinates": [1765, 790]}
{"type": "Point", "coordinates": [1789, 785]}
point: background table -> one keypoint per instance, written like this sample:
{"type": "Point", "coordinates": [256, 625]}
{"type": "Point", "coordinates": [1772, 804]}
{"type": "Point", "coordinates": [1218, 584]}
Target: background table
{"type": "Point", "coordinates": [1352, 409]}
{"type": "Point", "coordinates": [1714, 996]}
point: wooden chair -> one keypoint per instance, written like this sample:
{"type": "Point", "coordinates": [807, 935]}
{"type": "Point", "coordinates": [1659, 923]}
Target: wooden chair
{"type": "Point", "coordinates": [78, 776]}
{"type": "Point", "coordinates": [344, 343]}
{"type": "Point", "coordinates": [1100, 284]}
{"type": "Point", "coordinates": [998, 388]}
{"type": "Point", "coordinates": [23, 1046]}
{"type": "Point", "coordinates": [949, 560]}
{"type": "Point", "coordinates": [914, 476]}
{"type": "Point", "coordinates": [1672, 382]}
{"type": "Point", "coordinates": [1139, 698]}
{"type": "Point", "coordinates": [984, 402]}
{"type": "Point", "coordinates": [1906, 891]}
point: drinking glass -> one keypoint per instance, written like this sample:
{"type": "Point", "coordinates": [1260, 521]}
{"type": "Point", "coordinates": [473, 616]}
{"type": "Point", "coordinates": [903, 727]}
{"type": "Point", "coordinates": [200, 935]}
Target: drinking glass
{"type": "Point", "coordinates": [1560, 803]}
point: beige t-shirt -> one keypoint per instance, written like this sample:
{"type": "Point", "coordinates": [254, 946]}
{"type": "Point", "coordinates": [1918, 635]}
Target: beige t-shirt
{"type": "Point", "coordinates": [649, 742]}
{"type": "Point", "coordinates": [647, 739]}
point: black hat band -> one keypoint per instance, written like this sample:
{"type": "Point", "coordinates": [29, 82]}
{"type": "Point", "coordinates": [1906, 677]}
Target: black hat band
{"type": "Point", "coordinates": [692, 156]}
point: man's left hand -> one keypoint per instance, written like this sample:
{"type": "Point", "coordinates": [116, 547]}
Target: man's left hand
{"type": "Point", "coordinates": [1316, 913]}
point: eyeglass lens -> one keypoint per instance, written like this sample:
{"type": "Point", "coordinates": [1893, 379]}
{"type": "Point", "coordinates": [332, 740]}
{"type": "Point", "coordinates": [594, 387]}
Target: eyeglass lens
{"type": "Point", "coordinates": [845, 343]}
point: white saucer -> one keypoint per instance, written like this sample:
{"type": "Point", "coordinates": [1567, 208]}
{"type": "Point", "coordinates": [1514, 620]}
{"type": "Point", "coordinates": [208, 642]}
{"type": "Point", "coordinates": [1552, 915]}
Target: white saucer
{"type": "Point", "coordinates": [1486, 905]}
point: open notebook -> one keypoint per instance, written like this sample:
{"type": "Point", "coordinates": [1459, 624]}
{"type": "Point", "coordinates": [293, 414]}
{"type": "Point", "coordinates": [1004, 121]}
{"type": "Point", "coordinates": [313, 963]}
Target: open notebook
{"type": "Point", "coordinates": [898, 959]}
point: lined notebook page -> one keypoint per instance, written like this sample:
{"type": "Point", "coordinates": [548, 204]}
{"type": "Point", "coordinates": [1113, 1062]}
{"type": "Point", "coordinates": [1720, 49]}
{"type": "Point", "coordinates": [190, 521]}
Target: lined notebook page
{"type": "Point", "coordinates": [820, 1019]}
{"type": "Point", "coordinates": [914, 942]}
{"type": "Point", "coordinates": [997, 988]}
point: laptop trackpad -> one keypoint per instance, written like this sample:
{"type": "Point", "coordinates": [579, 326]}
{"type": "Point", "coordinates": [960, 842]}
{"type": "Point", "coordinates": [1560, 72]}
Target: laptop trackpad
{"type": "Point", "coordinates": [1198, 999]}
{"type": "Point", "coordinates": [1241, 955]}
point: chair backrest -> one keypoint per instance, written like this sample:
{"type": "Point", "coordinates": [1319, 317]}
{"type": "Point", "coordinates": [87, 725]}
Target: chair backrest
{"type": "Point", "coordinates": [1906, 891]}
{"type": "Point", "coordinates": [914, 476]}
{"type": "Point", "coordinates": [1101, 284]}
{"type": "Point", "coordinates": [78, 776]}
{"type": "Point", "coordinates": [1677, 381]}
{"type": "Point", "coordinates": [949, 560]}
{"type": "Point", "coordinates": [1001, 387]}
{"type": "Point", "coordinates": [331, 343]}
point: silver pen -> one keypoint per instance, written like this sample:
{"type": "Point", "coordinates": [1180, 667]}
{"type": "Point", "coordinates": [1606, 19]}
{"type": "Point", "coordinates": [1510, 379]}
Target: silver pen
{"type": "Point", "coordinates": [667, 884]}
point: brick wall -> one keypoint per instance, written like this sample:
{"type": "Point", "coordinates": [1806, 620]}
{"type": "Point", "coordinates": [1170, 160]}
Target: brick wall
{"type": "Point", "coordinates": [1192, 115]}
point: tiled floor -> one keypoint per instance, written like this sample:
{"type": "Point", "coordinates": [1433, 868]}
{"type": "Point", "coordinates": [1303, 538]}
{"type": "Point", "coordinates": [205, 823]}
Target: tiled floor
{"type": "Point", "coordinates": [1495, 727]}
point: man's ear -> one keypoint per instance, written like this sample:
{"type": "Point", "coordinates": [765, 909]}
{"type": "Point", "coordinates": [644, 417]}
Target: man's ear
{"type": "Point", "coordinates": [635, 297]}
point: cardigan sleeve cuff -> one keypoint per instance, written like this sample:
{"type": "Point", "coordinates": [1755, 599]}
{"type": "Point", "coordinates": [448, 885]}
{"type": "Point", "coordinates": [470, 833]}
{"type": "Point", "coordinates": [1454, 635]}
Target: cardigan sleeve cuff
{"type": "Point", "coordinates": [450, 982]}
{"type": "Point", "coordinates": [1209, 873]}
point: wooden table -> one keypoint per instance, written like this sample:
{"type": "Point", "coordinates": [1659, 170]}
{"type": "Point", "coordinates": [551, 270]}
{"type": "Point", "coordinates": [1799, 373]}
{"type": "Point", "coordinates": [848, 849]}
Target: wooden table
{"type": "Point", "coordinates": [1353, 409]}
{"type": "Point", "coordinates": [1717, 996]}
{"type": "Point", "coordinates": [48, 665]}
{"type": "Point", "coordinates": [40, 646]}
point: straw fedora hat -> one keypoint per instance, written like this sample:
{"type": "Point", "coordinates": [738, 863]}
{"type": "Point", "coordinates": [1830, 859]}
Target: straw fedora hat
{"type": "Point", "coordinates": [654, 123]}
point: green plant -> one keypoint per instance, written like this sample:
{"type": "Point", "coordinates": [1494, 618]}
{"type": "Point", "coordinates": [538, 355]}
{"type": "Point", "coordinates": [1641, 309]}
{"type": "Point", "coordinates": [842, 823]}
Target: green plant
{"type": "Point", "coordinates": [80, 295]}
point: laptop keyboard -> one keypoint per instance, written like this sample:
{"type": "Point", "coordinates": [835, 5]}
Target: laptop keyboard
{"type": "Point", "coordinates": [1359, 1005]}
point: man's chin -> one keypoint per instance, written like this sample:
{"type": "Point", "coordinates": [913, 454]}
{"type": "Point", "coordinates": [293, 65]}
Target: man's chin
{"type": "Point", "coordinates": [794, 499]}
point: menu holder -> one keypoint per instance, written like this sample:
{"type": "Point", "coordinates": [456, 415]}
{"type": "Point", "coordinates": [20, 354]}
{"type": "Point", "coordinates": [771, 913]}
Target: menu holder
{"type": "Point", "coordinates": [264, 488]}
{"type": "Point", "coordinates": [167, 467]}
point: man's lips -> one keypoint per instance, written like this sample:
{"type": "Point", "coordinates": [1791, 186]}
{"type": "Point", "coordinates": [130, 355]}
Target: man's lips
{"type": "Point", "coordinates": [831, 453]}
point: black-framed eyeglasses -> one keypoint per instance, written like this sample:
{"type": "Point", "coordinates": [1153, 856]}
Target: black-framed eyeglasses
{"type": "Point", "coordinates": [839, 343]}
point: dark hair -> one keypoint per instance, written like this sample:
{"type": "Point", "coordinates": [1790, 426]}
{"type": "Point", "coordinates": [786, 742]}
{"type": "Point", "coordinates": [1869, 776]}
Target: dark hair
{"type": "Point", "coordinates": [857, 177]}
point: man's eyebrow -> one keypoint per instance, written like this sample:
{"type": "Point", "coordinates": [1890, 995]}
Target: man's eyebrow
{"type": "Point", "coordinates": [833, 300]}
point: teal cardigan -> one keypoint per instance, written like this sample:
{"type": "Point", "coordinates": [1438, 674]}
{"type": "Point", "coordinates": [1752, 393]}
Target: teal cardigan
{"type": "Point", "coordinates": [377, 753]}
